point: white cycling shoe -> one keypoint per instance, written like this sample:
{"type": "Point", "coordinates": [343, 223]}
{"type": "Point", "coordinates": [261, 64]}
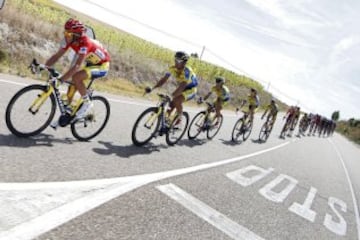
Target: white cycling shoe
{"type": "Point", "coordinates": [84, 110]}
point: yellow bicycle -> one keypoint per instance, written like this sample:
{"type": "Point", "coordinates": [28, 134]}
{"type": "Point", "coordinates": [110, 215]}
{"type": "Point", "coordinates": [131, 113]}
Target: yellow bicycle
{"type": "Point", "coordinates": [205, 121]}
{"type": "Point", "coordinates": [154, 122]}
{"type": "Point", "coordinates": [32, 109]}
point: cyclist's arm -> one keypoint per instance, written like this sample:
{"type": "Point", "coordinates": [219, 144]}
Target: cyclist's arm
{"type": "Point", "coordinates": [75, 68]}
{"type": "Point", "coordinates": [264, 114]}
{"type": "Point", "coordinates": [207, 96]}
{"type": "Point", "coordinates": [53, 59]}
{"type": "Point", "coordinates": [179, 90]}
{"type": "Point", "coordinates": [161, 81]}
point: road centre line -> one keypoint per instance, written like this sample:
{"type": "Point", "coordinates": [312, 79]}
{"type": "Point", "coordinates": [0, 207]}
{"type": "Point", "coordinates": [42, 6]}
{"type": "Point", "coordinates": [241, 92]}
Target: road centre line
{"type": "Point", "coordinates": [107, 190]}
{"type": "Point", "coordinates": [356, 208]}
{"type": "Point", "coordinates": [210, 215]}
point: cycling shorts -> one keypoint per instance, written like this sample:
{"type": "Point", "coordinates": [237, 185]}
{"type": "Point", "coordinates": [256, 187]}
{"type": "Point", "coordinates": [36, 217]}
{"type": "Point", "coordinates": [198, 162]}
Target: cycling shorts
{"type": "Point", "coordinates": [97, 71]}
{"type": "Point", "coordinates": [223, 101]}
{"type": "Point", "coordinates": [189, 94]}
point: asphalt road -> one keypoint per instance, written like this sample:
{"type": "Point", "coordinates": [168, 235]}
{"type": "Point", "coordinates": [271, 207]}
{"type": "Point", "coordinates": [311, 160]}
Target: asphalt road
{"type": "Point", "coordinates": [55, 187]}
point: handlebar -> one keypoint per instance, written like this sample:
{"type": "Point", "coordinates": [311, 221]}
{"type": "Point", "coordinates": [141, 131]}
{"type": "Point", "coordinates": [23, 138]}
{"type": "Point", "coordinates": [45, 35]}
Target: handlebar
{"type": "Point", "coordinates": [165, 97]}
{"type": "Point", "coordinates": [36, 67]}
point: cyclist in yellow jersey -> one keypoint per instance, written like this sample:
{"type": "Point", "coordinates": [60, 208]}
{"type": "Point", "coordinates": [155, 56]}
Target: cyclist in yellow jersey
{"type": "Point", "coordinates": [222, 94]}
{"type": "Point", "coordinates": [185, 78]}
{"type": "Point", "coordinates": [273, 110]}
{"type": "Point", "coordinates": [253, 102]}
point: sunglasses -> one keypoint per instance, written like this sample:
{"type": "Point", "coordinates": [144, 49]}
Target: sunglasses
{"type": "Point", "coordinates": [179, 61]}
{"type": "Point", "coordinates": [68, 34]}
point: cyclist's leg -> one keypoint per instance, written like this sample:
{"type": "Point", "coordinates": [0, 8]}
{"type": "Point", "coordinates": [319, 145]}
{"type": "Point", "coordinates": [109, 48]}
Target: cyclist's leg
{"type": "Point", "coordinates": [87, 73]}
{"type": "Point", "coordinates": [251, 112]}
{"type": "Point", "coordinates": [218, 107]}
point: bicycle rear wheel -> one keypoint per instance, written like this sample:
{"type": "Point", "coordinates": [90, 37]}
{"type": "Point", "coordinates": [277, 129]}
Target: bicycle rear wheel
{"type": "Point", "coordinates": [196, 125]}
{"type": "Point", "coordinates": [247, 130]}
{"type": "Point", "coordinates": [284, 130]}
{"type": "Point", "coordinates": [145, 126]}
{"type": "Point", "coordinates": [92, 125]}
{"type": "Point", "coordinates": [215, 127]}
{"type": "Point", "coordinates": [177, 129]}
{"type": "Point", "coordinates": [30, 111]}
{"type": "Point", "coordinates": [237, 130]}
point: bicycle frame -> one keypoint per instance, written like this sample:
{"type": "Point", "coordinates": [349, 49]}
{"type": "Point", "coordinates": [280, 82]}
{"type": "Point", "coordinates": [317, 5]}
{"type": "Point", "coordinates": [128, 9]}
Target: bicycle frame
{"type": "Point", "coordinates": [164, 100]}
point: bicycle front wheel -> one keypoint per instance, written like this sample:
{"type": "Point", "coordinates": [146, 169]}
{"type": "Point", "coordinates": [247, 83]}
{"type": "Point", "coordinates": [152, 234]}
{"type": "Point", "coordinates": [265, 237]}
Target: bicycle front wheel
{"type": "Point", "coordinates": [215, 127]}
{"type": "Point", "coordinates": [264, 132]}
{"type": "Point", "coordinates": [177, 129]}
{"type": "Point", "coordinates": [92, 125]}
{"type": "Point", "coordinates": [30, 111]}
{"type": "Point", "coordinates": [237, 130]}
{"type": "Point", "coordinates": [196, 125]}
{"type": "Point", "coordinates": [145, 126]}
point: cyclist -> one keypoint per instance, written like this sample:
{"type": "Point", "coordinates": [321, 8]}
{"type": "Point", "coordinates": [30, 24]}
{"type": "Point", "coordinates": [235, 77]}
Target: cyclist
{"type": "Point", "coordinates": [295, 118]}
{"type": "Point", "coordinates": [273, 110]}
{"type": "Point", "coordinates": [93, 62]}
{"type": "Point", "coordinates": [222, 95]}
{"type": "Point", "coordinates": [253, 101]}
{"type": "Point", "coordinates": [186, 79]}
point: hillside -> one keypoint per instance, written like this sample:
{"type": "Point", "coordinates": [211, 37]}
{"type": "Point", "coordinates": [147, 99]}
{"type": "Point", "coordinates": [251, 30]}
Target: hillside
{"type": "Point", "coordinates": [350, 129]}
{"type": "Point", "coordinates": [33, 28]}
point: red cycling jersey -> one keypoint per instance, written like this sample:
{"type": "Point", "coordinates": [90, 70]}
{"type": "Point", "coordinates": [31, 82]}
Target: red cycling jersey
{"type": "Point", "coordinates": [95, 53]}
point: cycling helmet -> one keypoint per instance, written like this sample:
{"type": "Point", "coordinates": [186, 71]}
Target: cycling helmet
{"type": "Point", "coordinates": [74, 26]}
{"type": "Point", "coordinates": [181, 56]}
{"type": "Point", "coordinates": [253, 90]}
{"type": "Point", "coordinates": [273, 101]}
{"type": "Point", "coordinates": [219, 80]}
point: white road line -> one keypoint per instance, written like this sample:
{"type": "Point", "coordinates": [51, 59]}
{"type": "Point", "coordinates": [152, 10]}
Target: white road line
{"type": "Point", "coordinates": [215, 218]}
{"type": "Point", "coordinates": [356, 209]}
{"type": "Point", "coordinates": [12, 82]}
{"type": "Point", "coordinates": [106, 190]}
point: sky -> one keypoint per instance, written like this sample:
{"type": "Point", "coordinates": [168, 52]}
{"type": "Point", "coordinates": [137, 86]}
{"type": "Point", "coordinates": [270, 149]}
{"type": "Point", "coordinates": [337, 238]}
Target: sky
{"type": "Point", "coordinates": [305, 52]}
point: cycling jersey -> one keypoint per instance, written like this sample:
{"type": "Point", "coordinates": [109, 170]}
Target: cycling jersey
{"type": "Point", "coordinates": [273, 108]}
{"type": "Point", "coordinates": [223, 93]}
{"type": "Point", "coordinates": [95, 53]}
{"type": "Point", "coordinates": [187, 75]}
{"type": "Point", "coordinates": [253, 101]}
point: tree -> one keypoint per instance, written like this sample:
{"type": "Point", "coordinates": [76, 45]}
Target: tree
{"type": "Point", "coordinates": [335, 116]}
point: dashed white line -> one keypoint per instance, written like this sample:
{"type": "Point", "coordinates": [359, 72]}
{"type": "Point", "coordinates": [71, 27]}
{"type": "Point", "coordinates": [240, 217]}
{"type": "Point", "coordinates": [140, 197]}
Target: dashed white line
{"type": "Point", "coordinates": [215, 218]}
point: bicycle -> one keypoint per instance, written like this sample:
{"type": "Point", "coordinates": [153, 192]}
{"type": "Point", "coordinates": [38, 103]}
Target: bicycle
{"type": "Point", "coordinates": [43, 99]}
{"type": "Point", "coordinates": [155, 122]}
{"type": "Point", "coordinates": [286, 127]}
{"type": "Point", "coordinates": [242, 127]}
{"type": "Point", "coordinates": [266, 129]}
{"type": "Point", "coordinates": [205, 121]}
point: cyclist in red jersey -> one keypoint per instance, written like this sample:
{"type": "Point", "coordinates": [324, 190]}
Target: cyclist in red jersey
{"type": "Point", "coordinates": [93, 62]}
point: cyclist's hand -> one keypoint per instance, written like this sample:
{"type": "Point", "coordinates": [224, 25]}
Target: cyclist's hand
{"type": "Point", "coordinates": [148, 90]}
{"type": "Point", "coordinates": [34, 66]}
{"type": "Point", "coordinates": [200, 100]}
